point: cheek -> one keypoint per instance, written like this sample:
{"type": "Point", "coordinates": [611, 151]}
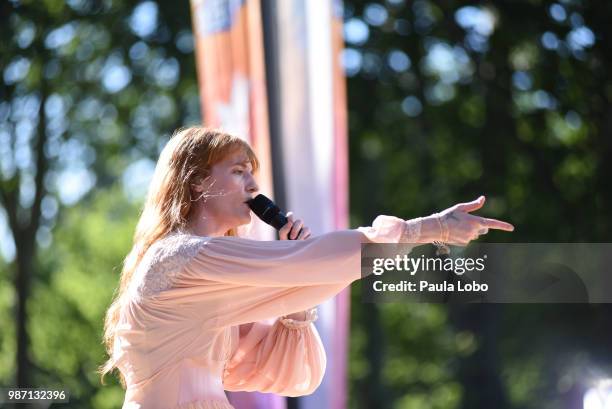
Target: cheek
{"type": "Point", "coordinates": [226, 184]}
{"type": "Point", "coordinates": [236, 185]}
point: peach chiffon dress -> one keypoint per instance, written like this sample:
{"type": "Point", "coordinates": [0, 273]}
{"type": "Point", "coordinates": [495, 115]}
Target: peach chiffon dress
{"type": "Point", "coordinates": [204, 315]}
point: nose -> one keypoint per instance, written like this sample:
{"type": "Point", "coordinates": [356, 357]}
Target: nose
{"type": "Point", "coordinates": [252, 186]}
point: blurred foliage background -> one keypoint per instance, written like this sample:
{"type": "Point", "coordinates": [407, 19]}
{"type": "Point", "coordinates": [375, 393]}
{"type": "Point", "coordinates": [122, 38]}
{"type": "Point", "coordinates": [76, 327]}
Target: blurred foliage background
{"type": "Point", "coordinates": [447, 100]}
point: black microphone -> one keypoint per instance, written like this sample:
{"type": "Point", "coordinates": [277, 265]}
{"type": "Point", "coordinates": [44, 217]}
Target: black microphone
{"type": "Point", "coordinates": [267, 211]}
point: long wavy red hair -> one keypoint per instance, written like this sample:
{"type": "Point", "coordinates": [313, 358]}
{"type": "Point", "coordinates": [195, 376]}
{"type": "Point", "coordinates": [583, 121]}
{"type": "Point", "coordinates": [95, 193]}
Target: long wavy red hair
{"type": "Point", "coordinates": [187, 158]}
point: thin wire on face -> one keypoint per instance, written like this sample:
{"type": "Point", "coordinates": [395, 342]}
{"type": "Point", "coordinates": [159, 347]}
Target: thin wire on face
{"type": "Point", "coordinates": [205, 194]}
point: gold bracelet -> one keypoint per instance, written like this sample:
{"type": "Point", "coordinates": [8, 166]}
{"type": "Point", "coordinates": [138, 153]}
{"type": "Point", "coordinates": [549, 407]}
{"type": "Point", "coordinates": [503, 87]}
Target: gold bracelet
{"type": "Point", "coordinates": [444, 232]}
{"type": "Point", "coordinates": [441, 248]}
{"type": "Point", "coordinates": [437, 217]}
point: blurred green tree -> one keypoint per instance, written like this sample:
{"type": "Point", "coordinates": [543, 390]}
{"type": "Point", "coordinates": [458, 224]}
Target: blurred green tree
{"type": "Point", "coordinates": [449, 100]}
{"type": "Point", "coordinates": [88, 88]}
{"type": "Point", "coordinates": [67, 307]}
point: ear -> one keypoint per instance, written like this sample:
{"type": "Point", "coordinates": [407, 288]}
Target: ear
{"type": "Point", "coordinates": [198, 185]}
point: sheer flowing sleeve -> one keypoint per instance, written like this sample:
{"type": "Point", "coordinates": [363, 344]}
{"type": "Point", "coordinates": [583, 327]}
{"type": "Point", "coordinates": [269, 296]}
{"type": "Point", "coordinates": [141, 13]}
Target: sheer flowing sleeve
{"type": "Point", "coordinates": [238, 281]}
{"type": "Point", "coordinates": [285, 357]}
{"type": "Point", "coordinates": [391, 229]}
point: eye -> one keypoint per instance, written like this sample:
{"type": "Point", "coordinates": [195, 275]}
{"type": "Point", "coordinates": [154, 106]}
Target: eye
{"type": "Point", "coordinates": [238, 172]}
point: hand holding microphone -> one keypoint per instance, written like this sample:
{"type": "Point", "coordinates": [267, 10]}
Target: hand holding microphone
{"type": "Point", "coordinates": [293, 230]}
{"type": "Point", "coordinates": [270, 213]}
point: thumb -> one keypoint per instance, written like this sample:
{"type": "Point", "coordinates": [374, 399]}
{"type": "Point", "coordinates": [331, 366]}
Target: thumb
{"type": "Point", "coordinates": [289, 216]}
{"type": "Point", "coordinates": [471, 206]}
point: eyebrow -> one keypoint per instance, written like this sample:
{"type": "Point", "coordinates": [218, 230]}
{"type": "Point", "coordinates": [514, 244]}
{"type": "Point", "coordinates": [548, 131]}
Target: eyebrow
{"type": "Point", "coordinates": [244, 163]}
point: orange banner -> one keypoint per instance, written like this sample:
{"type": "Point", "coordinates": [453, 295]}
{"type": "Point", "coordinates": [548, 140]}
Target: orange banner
{"type": "Point", "coordinates": [231, 75]}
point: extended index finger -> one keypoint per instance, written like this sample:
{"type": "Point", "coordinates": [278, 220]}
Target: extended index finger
{"type": "Point", "coordinates": [496, 224]}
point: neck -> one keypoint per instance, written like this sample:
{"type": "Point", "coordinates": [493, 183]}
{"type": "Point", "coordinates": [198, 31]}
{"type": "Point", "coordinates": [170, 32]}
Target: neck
{"type": "Point", "coordinates": [202, 224]}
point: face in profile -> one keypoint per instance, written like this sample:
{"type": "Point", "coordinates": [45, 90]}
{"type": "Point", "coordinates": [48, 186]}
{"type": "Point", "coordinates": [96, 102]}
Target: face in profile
{"type": "Point", "coordinates": [224, 192]}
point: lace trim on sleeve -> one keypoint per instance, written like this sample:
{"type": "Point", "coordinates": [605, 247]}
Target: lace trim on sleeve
{"type": "Point", "coordinates": [311, 316]}
{"type": "Point", "coordinates": [412, 231]}
{"type": "Point", "coordinates": [163, 262]}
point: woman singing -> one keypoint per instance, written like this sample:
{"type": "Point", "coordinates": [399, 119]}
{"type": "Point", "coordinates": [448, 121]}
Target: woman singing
{"type": "Point", "coordinates": [192, 315]}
